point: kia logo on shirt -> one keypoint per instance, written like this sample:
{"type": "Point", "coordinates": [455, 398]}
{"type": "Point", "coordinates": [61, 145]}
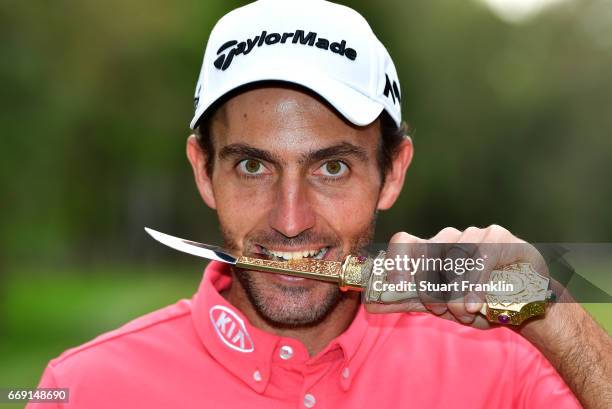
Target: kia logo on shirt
{"type": "Point", "coordinates": [231, 329]}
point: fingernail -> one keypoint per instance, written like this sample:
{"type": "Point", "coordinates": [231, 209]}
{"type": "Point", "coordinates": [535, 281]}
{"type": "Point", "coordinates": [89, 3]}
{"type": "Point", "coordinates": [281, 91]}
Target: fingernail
{"type": "Point", "coordinates": [472, 303]}
{"type": "Point", "coordinates": [467, 319]}
{"type": "Point", "coordinates": [472, 306]}
{"type": "Point", "coordinates": [439, 310]}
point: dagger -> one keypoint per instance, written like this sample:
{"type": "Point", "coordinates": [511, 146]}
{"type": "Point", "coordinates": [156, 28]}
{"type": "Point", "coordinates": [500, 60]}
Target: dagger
{"type": "Point", "coordinates": [352, 274]}
{"type": "Point", "coordinates": [355, 273]}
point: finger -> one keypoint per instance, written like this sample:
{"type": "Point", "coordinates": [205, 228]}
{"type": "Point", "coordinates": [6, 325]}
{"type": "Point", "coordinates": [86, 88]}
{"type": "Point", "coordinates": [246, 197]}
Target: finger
{"type": "Point", "coordinates": [499, 248]}
{"type": "Point", "coordinates": [479, 321]}
{"type": "Point", "coordinates": [517, 250]}
{"type": "Point", "coordinates": [404, 238]}
{"type": "Point", "coordinates": [436, 301]}
{"type": "Point", "coordinates": [467, 260]}
{"type": "Point", "coordinates": [446, 235]}
{"type": "Point", "coordinates": [427, 278]}
{"type": "Point", "coordinates": [400, 244]}
{"type": "Point", "coordinates": [466, 248]}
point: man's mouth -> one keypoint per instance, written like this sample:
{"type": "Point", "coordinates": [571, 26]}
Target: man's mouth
{"type": "Point", "coordinates": [278, 255]}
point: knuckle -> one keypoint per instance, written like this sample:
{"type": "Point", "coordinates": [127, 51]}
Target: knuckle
{"type": "Point", "coordinates": [471, 230]}
{"type": "Point", "coordinates": [472, 233]}
{"type": "Point", "coordinates": [403, 237]}
{"type": "Point", "coordinates": [496, 229]}
{"type": "Point", "coordinates": [449, 231]}
{"type": "Point", "coordinates": [400, 237]}
{"type": "Point", "coordinates": [497, 233]}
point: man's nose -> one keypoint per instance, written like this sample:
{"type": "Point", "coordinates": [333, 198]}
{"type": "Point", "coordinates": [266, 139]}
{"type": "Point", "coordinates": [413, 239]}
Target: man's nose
{"type": "Point", "coordinates": [292, 213]}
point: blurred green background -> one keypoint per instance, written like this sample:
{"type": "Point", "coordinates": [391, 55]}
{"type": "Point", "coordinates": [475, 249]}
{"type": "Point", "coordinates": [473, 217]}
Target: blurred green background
{"type": "Point", "coordinates": [511, 112]}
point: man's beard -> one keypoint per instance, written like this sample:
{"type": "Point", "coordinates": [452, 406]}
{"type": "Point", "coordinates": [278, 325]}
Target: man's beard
{"type": "Point", "coordinates": [289, 306]}
{"type": "Point", "coordinates": [292, 306]}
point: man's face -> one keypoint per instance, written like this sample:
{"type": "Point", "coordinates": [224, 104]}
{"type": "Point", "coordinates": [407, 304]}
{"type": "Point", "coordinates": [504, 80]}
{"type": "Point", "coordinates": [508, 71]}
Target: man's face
{"type": "Point", "coordinates": [291, 179]}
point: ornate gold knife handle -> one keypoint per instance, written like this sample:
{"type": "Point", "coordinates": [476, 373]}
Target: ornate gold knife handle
{"type": "Point", "coordinates": [352, 274]}
{"type": "Point", "coordinates": [527, 300]}
{"type": "Point", "coordinates": [309, 268]}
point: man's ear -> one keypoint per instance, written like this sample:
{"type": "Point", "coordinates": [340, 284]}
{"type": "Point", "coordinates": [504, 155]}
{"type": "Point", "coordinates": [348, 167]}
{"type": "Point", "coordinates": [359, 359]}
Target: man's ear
{"type": "Point", "coordinates": [198, 160]}
{"type": "Point", "coordinates": [394, 180]}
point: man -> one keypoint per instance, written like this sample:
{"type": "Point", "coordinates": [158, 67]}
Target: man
{"type": "Point", "coordinates": [297, 144]}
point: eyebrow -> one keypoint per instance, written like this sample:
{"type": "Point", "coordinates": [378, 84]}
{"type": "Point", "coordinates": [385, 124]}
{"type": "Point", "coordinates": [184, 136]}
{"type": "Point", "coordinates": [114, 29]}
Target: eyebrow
{"type": "Point", "coordinates": [344, 149]}
{"type": "Point", "coordinates": [244, 150]}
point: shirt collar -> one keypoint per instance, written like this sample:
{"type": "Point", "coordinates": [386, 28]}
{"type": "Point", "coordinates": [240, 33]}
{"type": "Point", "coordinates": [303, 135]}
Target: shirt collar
{"type": "Point", "coordinates": [249, 352]}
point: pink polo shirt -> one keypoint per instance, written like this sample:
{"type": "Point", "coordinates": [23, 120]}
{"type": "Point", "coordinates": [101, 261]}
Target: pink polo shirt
{"type": "Point", "coordinates": [203, 353]}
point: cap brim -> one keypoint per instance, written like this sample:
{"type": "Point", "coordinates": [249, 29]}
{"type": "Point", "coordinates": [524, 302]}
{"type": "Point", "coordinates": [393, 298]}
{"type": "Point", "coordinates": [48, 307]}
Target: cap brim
{"type": "Point", "coordinates": [353, 105]}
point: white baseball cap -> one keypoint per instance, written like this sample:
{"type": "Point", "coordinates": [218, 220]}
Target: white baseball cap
{"type": "Point", "coordinates": [325, 47]}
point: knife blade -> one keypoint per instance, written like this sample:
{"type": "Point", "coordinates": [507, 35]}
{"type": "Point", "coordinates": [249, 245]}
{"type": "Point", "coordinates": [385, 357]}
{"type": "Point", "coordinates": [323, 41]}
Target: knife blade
{"type": "Point", "coordinates": [193, 247]}
{"type": "Point", "coordinates": [347, 275]}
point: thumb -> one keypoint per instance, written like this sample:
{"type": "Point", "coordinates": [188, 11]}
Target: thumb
{"type": "Point", "coordinates": [401, 243]}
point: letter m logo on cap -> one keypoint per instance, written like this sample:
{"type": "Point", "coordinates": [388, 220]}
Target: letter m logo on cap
{"type": "Point", "coordinates": [391, 89]}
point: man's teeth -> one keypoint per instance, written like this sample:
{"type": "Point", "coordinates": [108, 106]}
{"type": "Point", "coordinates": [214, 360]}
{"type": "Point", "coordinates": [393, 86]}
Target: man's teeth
{"type": "Point", "coordinates": [296, 255]}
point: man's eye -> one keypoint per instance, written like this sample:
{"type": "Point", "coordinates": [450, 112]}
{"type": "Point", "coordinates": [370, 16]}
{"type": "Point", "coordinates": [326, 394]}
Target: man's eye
{"type": "Point", "coordinates": [334, 168]}
{"type": "Point", "coordinates": [251, 167]}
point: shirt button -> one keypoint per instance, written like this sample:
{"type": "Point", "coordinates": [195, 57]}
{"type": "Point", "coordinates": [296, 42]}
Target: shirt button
{"type": "Point", "coordinates": [309, 400]}
{"type": "Point", "coordinates": [346, 373]}
{"type": "Point", "coordinates": [286, 352]}
{"type": "Point", "coordinates": [257, 376]}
